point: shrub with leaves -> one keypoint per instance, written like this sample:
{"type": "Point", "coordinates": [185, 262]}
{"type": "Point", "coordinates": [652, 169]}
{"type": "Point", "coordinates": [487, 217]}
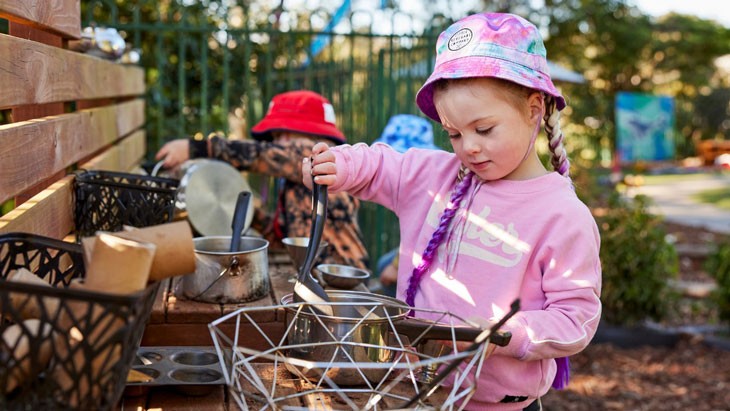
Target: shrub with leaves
{"type": "Point", "coordinates": [718, 265]}
{"type": "Point", "coordinates": [637, 261]}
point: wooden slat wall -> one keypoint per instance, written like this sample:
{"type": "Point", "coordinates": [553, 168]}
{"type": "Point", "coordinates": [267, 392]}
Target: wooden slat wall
{"type": "Point", "coordinates": [41, 82]}
{"type": "Point", "coordinates": [32, 151]}
{"type": "Point", "coordinates": [35, 73]}
{"type": "Point", "coordinates": [58, 16]}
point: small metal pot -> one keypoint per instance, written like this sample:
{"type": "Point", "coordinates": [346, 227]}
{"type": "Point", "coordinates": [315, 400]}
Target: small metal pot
{"type": "Point", "coordinates": [226, 277]}
{"type": "Point", "coordinates": [365, 341]}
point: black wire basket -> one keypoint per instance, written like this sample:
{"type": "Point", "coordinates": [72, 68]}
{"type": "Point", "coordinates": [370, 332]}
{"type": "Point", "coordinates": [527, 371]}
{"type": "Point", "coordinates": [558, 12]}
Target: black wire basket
{"type": "Point", "coordinates": [107, 201]}
{"type": "Point", "coordinates": [77, 348]}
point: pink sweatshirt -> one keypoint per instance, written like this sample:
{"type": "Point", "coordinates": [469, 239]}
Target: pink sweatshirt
{"type": "Point", "coordinates": [531, 239]}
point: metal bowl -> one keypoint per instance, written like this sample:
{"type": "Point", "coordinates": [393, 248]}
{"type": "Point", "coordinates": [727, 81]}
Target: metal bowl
{"type": "Point", "coordinates": [342, 276]}
{"type": "Point", "coordinates": [297, 249]}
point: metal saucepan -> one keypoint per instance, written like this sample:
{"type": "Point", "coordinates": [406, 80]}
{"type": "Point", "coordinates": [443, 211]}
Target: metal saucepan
{"type": "Point", "coordinates": [367, 340]}
{"type": "Point", "coordinates": [222, 276]}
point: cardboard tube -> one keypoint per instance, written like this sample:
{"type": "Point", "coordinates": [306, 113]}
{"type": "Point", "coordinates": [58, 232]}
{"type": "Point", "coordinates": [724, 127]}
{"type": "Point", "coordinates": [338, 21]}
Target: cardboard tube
{"type": "Point", "coordinates": [114, 265]}
{"type": "Point", "coordinates": [26, 350]}
{"type": "Point", "coordinates": [27, 304]}
{"type": "Point", "coordinates": [118, 265]}
{"type": "Point", "coordinates": [175, 253]}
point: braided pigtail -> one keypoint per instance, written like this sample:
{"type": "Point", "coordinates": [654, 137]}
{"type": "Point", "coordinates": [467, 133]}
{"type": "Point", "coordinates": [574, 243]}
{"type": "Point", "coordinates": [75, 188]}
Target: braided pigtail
{"type": "Point", "coordinates": [438, 237]}
{"type": "Point", "coordinates": [561, 164]}
{"type": "Point", "coordinates": [559, 158]}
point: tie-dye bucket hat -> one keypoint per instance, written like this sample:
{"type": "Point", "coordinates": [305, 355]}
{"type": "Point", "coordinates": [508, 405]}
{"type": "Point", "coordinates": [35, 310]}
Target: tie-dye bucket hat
{"type": "Point", "coordinates": [498, 45]}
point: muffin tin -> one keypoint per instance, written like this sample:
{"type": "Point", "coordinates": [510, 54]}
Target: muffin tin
{"type": "Point", "coordinates": [190, 370]}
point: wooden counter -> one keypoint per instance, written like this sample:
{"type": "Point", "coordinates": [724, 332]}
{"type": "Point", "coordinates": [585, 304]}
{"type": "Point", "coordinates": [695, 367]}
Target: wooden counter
{"type": "Point", "coordinates": [179, 322]}
{"type": "Point", "coordinates": [220, 398]}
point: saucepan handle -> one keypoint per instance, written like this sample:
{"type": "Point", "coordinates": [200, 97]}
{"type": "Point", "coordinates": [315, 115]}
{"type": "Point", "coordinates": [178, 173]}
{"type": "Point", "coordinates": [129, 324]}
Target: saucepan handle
{"type": "Point", "coordinates": [415, 328]}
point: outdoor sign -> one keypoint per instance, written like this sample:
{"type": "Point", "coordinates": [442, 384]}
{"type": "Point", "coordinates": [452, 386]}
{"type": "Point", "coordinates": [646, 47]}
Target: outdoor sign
{"type": "Point", "coordinates": [644, 126]}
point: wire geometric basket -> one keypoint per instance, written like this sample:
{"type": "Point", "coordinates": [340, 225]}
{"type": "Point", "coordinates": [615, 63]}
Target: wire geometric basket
{"type": "Point", "coordinates": [349, 362]}
{"type": "Point", "coordinates": [107, 200]}
{"type": "Point", "coordinates": [61, 347]}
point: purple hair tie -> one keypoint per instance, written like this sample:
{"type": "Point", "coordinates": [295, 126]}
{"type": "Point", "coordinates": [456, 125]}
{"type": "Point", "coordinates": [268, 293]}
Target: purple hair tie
{"type": "Point", "coordinates": [562, 377]}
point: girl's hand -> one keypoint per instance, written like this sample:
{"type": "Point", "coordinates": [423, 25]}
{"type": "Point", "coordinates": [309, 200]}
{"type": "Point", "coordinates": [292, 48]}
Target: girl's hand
{"type": "Point", "coordinates": [320, 166]}
{"type": "Point", "coordinates": [174, 152]}
{"type": "Point", "coordinates": [389, 275]}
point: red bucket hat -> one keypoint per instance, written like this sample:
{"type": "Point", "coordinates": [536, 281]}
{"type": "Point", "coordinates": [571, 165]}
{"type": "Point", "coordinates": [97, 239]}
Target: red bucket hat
{"type": "Point", "coordinates": [498, 45]}
{"type": "Point", "coordinates": [304, 112]}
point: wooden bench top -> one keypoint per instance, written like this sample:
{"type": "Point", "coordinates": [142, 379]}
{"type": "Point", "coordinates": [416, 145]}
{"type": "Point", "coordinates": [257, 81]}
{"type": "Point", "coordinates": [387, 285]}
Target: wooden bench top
{"type": "Point", "coordinates": [221, 398]}
{"type": "Point", "coordinates": [176, 321]}
{"type": "Point", "coordinates": [179, 322]}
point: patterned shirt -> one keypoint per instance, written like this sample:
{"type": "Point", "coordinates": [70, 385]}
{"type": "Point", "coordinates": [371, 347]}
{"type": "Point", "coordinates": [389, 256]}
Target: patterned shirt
{"type": "Point", "coordinates": [293, 214]}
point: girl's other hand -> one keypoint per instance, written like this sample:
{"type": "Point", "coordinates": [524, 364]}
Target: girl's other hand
{"type": "Point", "coordinates": [389, 275]}
{"type": "Point", "coordinates": [174, 152]}
{"type": "Point", "coordinates": [321, 166]}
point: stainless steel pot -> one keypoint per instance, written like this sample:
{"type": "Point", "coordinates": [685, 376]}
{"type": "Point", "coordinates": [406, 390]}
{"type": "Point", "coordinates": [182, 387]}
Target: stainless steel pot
{"type": "Point", "coordinates": [226, 277]}
{"type": "Point", "coordinates": [365, 341]}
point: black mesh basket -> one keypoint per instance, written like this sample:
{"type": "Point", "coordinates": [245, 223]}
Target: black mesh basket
{"type": "Point", "coordinates": [78, 347]}
{"type": "Point", "coordinates": [106, 201]}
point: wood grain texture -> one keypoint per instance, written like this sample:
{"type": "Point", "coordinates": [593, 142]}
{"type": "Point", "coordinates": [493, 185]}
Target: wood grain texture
{"type": "Point", "coordinates": [181, 311]}
{"type": "Point", "coordinates": [122, 157]}
{"type": "Point", "coordinates": [35, 73]}
{"type": "Point", "coordinates": [38, 187]}
{"type": "Point", "coordinates": [59, 16]}
{"type": "Point", "coordinates": [32, 151]}
{"type": "Point", "coordinates": [23, 113]}
{"type": "Point", "coordinates": [157, 315]}
{"type": "Point", "coordinates": [29, 33]}
{"type": "Point", "coordinates": [199, 334]}
{"type": "Point", "coordinates": [179, 401]}
{"type": "Point", "coordinates": [50, 212]}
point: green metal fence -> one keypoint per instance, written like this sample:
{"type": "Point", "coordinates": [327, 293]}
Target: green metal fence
{"type": "Point", "coordinates": [215, 66]}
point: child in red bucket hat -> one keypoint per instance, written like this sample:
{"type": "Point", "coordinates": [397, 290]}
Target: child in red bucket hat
{"type": "Point", "coordinates": [302, 112]}
{"type": "Point", "coordinates": [294, 123]}
{"type": "Point", "coordinates": [488, 223]}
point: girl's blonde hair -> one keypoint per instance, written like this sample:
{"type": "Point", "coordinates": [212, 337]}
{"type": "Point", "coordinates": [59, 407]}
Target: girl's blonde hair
{"type": "Point", "coordinates": [517, 96]}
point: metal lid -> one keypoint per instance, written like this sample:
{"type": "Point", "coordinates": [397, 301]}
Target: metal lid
{"type": "Point", "coordinates": [211, 189]}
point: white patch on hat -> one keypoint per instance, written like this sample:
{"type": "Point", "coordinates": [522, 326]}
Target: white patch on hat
{"type": "Point", "coordinates": [460, 39]}
{"type": "Point", "coordinates": [329, 113]}
{"type": "Point", "coordinates": [271, 107]}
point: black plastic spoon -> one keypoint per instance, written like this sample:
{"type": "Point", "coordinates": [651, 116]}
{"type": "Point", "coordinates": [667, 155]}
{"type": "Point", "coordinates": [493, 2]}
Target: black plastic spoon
{"type": "Point", "coordinates": [306, 288]}
{"type": "Point", "coordinates": [239, 219]}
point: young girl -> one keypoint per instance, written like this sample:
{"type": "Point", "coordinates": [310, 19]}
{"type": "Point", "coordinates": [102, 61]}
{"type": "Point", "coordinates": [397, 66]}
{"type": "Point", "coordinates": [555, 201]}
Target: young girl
{"type": "Point", "coordinates": [488, 223]}
{"type": "Point", "coordinates": [295, 121]}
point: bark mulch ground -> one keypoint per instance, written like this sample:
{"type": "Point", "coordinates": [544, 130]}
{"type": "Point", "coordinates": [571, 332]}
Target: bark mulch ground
{"type": "Point", "coordinates": [692, 375]}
